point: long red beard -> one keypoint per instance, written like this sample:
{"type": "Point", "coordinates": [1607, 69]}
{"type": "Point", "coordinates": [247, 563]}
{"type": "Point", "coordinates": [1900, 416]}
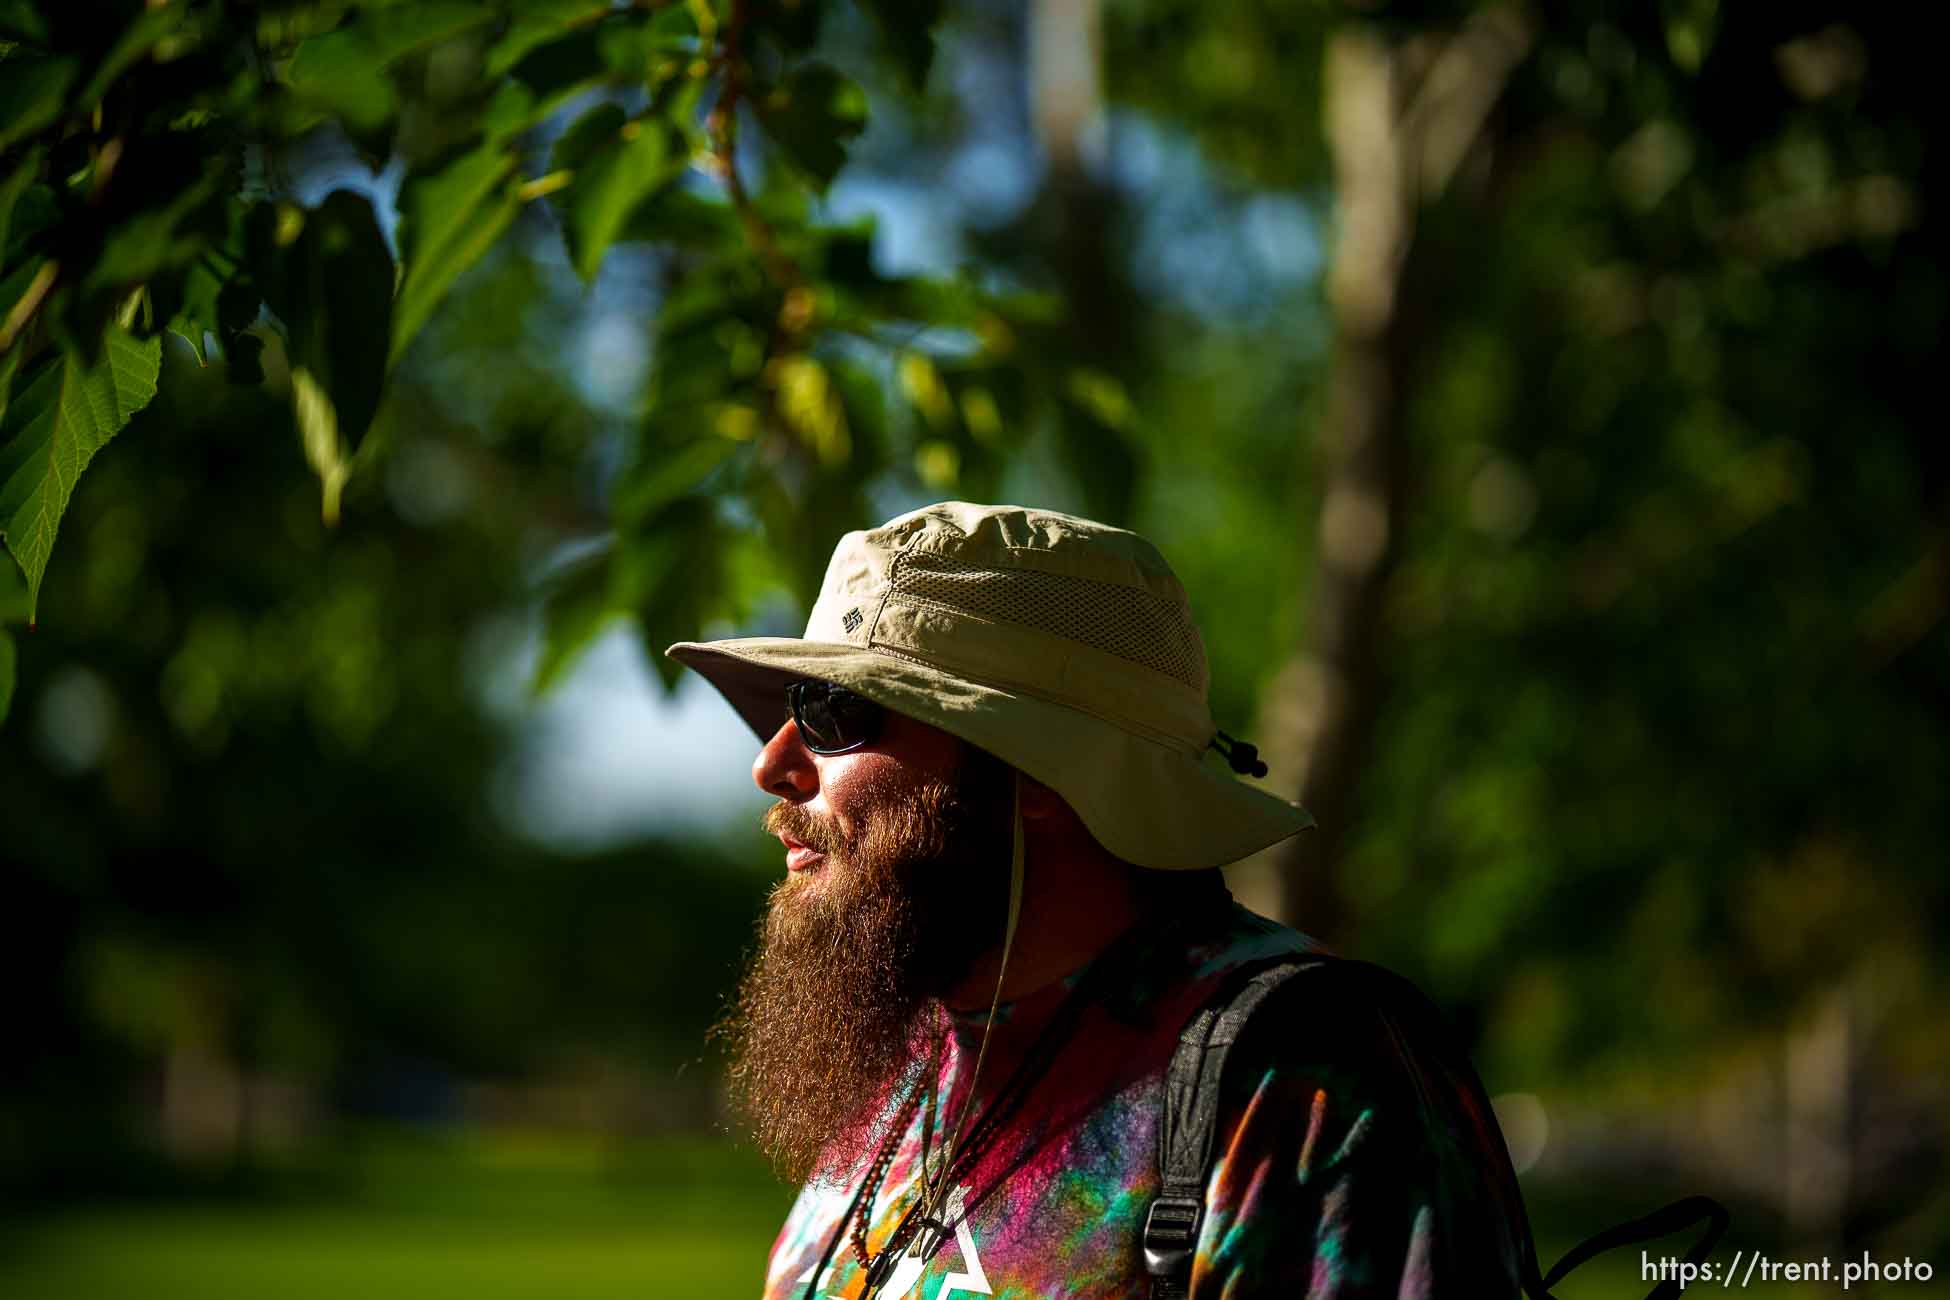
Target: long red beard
{"type": "Point", "coordinates": [836, 1006]}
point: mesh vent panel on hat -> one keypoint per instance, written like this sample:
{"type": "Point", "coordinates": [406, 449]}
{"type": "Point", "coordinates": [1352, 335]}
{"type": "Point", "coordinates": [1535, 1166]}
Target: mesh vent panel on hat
{"type": "Point", "coordinates": [1128, 622]}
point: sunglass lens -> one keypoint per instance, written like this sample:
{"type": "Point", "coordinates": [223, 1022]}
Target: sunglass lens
{"type": "Point", "coordinates": [832, 718]}
{"type": "Point", "coordinates": [815, 718]}
{"type": "Point", "coordinates": [858, 717]}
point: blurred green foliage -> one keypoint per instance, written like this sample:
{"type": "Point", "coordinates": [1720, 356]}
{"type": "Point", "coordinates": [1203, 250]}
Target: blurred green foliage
{"type": "Point", "coordinates": [149, 185]}
{"type": "Point", "coordinates": [1663, 735]}
{"type": "Point", "coordinates": [287, 851]}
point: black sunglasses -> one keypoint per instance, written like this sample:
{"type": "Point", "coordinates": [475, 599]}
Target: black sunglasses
{"type": "Point", "coordinates": [832, 719]}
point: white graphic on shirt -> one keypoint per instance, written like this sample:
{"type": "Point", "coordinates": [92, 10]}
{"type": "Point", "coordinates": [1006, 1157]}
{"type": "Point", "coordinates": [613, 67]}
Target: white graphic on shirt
{"type": "Point", "coordinates": [806, 1276]}
{"type": "Point", "coordinates": [907, 1274]}
{"type": "Point", "coordinates": [972, 1280]}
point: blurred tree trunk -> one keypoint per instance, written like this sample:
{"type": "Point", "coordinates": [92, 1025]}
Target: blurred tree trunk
{"type": "Point", "coordinates": [1816, 1142]}
{"type": "Point", "coordinates": [1072, 216]}
{"type": "Point", "coordinates": [1065, 74]}
{"type": "Point", "coordinates": [1400, 115]}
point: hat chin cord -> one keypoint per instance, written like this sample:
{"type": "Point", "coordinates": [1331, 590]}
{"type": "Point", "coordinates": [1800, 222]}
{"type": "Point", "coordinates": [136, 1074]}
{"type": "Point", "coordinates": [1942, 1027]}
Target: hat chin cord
{"type": "Point", "coordinates": [934, 1196]}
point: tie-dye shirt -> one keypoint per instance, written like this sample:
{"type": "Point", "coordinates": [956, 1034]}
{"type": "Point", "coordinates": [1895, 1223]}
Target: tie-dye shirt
{"type": "Point", "coordinates": [1332, 1177]}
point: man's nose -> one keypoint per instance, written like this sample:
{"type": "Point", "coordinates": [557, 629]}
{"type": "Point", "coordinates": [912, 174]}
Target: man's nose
{"type": "Point", "coordinates": [785, 767]}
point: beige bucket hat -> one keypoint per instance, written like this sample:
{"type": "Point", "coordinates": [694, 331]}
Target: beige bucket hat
{"type": "Point", "coordinates": [1062, 646]}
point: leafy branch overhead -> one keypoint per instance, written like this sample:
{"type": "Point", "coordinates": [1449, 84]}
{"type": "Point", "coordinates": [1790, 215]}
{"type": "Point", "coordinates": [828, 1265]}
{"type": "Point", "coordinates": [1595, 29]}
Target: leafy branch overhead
{"type": "Point", "coordinates": [148, 185]}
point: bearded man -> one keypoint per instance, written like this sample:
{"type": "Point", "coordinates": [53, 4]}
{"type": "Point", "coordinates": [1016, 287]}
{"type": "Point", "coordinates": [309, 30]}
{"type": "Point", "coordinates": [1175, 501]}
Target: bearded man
{"type": "Point", "coordinates": [1002, 905]}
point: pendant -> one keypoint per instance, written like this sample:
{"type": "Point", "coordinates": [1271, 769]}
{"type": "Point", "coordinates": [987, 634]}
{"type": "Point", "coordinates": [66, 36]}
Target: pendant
{"type": "Point", "coordinates": [892, 1276]}
{"type": "Point", "coordinates": [912, 1261]}
{"type": "Point", "coordinates": [928, 1240]}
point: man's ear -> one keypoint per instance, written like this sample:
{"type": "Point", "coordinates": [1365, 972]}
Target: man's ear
{"type": "Point", "coordinates": [1039, 802]}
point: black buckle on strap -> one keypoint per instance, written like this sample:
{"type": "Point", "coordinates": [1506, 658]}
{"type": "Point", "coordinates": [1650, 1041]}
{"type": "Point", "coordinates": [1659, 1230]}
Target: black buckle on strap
{"type": "Point", "coordinates": [1170, 1233]}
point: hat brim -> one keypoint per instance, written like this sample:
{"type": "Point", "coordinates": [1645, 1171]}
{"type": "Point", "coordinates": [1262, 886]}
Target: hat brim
{"type": "Point", "coordinates": [1148, 802]}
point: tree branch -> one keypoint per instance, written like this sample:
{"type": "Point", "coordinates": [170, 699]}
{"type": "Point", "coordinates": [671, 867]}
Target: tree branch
{"type": "Point", "coordinates": [723, 128]}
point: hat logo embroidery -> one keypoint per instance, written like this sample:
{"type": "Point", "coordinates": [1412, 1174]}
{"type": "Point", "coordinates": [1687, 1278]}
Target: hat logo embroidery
{"type": "Point", "coordinates": [852, 620]}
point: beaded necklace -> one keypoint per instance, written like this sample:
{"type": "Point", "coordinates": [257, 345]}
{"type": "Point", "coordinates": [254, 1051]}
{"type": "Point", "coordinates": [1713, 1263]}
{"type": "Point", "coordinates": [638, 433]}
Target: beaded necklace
{"type": "Point", "coordinates": [962, 1160]}
{"type": "Point", "coordinates": [884, 1158]}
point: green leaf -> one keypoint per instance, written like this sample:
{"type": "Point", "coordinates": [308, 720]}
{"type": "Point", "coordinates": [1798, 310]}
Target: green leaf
{"type": "Point", "coordinates": [195, 315]}
{"type": "Point", "coordinates": [151, 27]}
{"type": "Point", "coordinates": [216, 295]}
{"type": "Point", "coordinates": [64, 413]}
{"type": "Point", "coordinates": [12, 188]}
{"type": "Point", "coordinates": [237, 308]}
{"type": "Point", "coordinates": [194, 335]}
{"type": "Point", "coordinates": [6, 667]}
{"type": "Point", "coordinates": [577, 608]}
{"type": "Point", "coordinates": [33, 89]}
{"type": "Point", "coordinates": [634, 49]}
{"type": "Point", "coordinates": [537, 68]}
{"type": "Point", "coordinates": [318, 431]}
{"type": "Point", "coordinates": [813, 406]}
{"type": "Point", "coordinates": [704, 356]}
{"type": "Point", "coordinates": [1099, 455]}
{"type": "Point", "coordinates": [449, 219]}
{"type": "Point", "coordinates": [243, 358]}
{"type": "Point", "coordinates": [559, 68]}
{"type": "Point", "coordinates": [342, 74]}
{"type": "Point", "coordinates": [674, 30]}
{"type": "Point", "coordinates": [34, 210]}
{"type": "Point", "coordinates": [14, 286]}
{"type": "Point", "coordinates": [512, 110]}
{"type": "Point", "coordinates": [813, 114]}
{"type": "Point", "coordinates": [13, 591]}
{"type": "Point", "coordinates": [398, 30]}
{"type": "Point", "coordinates": [908, 28]}
{"type": "Point", "coordinates": [333, 289]}
{"type": "Point", "coordinates": [160, 238]}
{"type": "Point", "coordinates": [22, 19]}
{"type": "Point", "coordinates": [555, 56]}
{"type": "Point", "coordinates": [667, 573]}
{"type": "Point", "coordinates": [647, 488]}
{"type": "Point", "coordinates": [9, 367]}
{"type": "Point", "coordinates": [586, 136]}
{"type": "Point", "coordinates": [617, 168]}
{"type": "Point", "coordinates": [537, 23]}
{"type": "Point", "coordinates": [671, 577]}
{"type": "Point", "coordinates": [792, 28]}
{"type": "Point", "coordinates": [677, 216]}
{"type": "Point", "coordinates": [13, 609]}
{"type": "Point", "coordinates": [343, 71]}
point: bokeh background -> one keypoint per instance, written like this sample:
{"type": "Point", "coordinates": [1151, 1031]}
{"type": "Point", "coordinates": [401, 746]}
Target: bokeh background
{"type": "Point", "coordinates": [1541, 403]}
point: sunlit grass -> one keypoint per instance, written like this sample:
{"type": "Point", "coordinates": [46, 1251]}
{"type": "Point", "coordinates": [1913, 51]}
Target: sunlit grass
{"type": "Point", "coordinates": [399, 1217]}
{"type": "Point", "coordinates": [300, 1254]}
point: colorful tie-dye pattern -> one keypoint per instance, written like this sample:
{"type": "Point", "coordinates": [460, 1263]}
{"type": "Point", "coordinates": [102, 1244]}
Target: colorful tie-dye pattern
{"type": "Point", "coordinates": [1332, 1178]}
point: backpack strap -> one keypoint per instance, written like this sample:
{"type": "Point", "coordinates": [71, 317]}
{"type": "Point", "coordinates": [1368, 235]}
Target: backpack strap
{"type": "Point", "coordinates": [1188, 1122]}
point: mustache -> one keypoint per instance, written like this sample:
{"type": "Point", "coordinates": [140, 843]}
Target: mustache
{"type": "Point", "coordinates": [784, 818]}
